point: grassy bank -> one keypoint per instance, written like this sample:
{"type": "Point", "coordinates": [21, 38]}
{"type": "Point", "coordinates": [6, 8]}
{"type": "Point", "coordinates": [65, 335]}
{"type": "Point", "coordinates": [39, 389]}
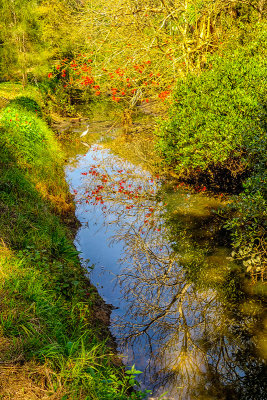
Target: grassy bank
{"type": "Point", "coordinates": [54, 341]}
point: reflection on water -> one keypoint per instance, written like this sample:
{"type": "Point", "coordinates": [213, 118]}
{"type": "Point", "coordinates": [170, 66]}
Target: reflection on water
{"type": "Point", "coordinates": [181, 316]}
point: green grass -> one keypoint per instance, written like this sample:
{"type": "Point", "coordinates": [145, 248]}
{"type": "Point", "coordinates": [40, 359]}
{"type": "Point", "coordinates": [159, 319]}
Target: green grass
{"type": "Point", "coordinates": [46, 303]}
{"type": "Point", "coordinates": [11, 90]}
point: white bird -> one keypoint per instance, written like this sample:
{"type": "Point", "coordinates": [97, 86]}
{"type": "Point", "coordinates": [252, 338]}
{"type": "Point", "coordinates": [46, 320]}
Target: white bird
{"type": "Point", "coordinates": [85, 132]}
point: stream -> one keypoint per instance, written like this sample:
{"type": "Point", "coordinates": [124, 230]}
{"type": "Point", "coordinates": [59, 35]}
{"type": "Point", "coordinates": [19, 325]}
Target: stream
{"type": "Point", "coordinates": [156, 252]}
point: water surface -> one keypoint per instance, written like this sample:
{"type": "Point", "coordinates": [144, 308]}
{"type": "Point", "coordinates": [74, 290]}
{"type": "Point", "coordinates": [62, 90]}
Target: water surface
{"type": "Point", "coordinates": [181, 314]}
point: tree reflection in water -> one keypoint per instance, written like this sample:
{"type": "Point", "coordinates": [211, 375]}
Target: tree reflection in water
{"type": "Point", "coordinates": [200, 340]}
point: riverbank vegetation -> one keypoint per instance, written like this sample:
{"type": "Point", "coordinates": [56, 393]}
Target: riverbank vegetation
{"type": "Point", "coordinates": [216, 135]}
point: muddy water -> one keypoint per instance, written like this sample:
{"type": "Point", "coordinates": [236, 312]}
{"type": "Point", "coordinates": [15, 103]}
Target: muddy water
{"type": "Point", "coordinates": [157, 254]}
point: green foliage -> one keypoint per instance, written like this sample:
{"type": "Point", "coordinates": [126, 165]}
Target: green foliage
{"type": "Point", "coordinates": [248, 225]}
{"type": "Point", "coordinates": [20, 31]}
{"type": "Point", "coordinates": [217, 118]}
{"type": "Point", "coordinates": [59, 99]}
{"type": "Point", "coordinates": [26, 136]}
{"type": "Point", "coordinates": [27, 104]}
{"type": "Point", "coordinates": [34, 32]}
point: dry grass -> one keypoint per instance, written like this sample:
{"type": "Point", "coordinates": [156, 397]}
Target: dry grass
{"type": "Point", "coordinates": [29, 382]}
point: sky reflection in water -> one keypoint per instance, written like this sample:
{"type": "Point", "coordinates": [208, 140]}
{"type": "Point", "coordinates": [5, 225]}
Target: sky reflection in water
{"type": "Point", "coordinates": [185, 340]}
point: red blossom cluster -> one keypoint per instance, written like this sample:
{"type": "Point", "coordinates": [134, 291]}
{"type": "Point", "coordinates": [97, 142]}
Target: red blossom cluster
{"type": "Point", "coordinates": [87, 80]}
{"type": "Point", "coordinates": [200, 188]}
{"type": "Point", "coordinates": [78, 72]}
{"type": "Point", "coordinates": [164, 95]}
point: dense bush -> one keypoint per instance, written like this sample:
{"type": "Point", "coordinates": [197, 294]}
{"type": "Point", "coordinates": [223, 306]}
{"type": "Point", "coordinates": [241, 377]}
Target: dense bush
{"type": "Point", "coordinates": [217, 118]}
{"type": "Point", "coordinates": [59, 97]}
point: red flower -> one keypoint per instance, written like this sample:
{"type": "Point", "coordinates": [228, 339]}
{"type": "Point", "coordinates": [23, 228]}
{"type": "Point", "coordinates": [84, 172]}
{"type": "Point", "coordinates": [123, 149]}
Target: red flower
{"type": "Point", "coordinates": [88, 80]}
{"type": "Point", "coordinates": [50, 75]}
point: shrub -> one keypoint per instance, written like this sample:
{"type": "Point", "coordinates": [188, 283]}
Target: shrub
{"type": "Point", "coordinates": [217, 118]}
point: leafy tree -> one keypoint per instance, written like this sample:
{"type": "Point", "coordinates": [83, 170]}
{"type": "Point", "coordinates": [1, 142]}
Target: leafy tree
{"type": "Point", "coordinates": [59, 21]}
{"type": "Point", "coordinates": [20, 46]}
{"type": "Point", "coordinates": [34, 32]}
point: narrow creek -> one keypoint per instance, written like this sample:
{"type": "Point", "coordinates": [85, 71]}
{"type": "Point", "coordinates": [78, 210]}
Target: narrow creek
{"type": "Point", "coordinates": [156, 254]}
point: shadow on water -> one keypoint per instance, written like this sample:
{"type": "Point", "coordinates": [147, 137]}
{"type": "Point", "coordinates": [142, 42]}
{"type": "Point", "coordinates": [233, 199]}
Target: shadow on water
{"type": "Point", "coordinates": [159, 255]}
